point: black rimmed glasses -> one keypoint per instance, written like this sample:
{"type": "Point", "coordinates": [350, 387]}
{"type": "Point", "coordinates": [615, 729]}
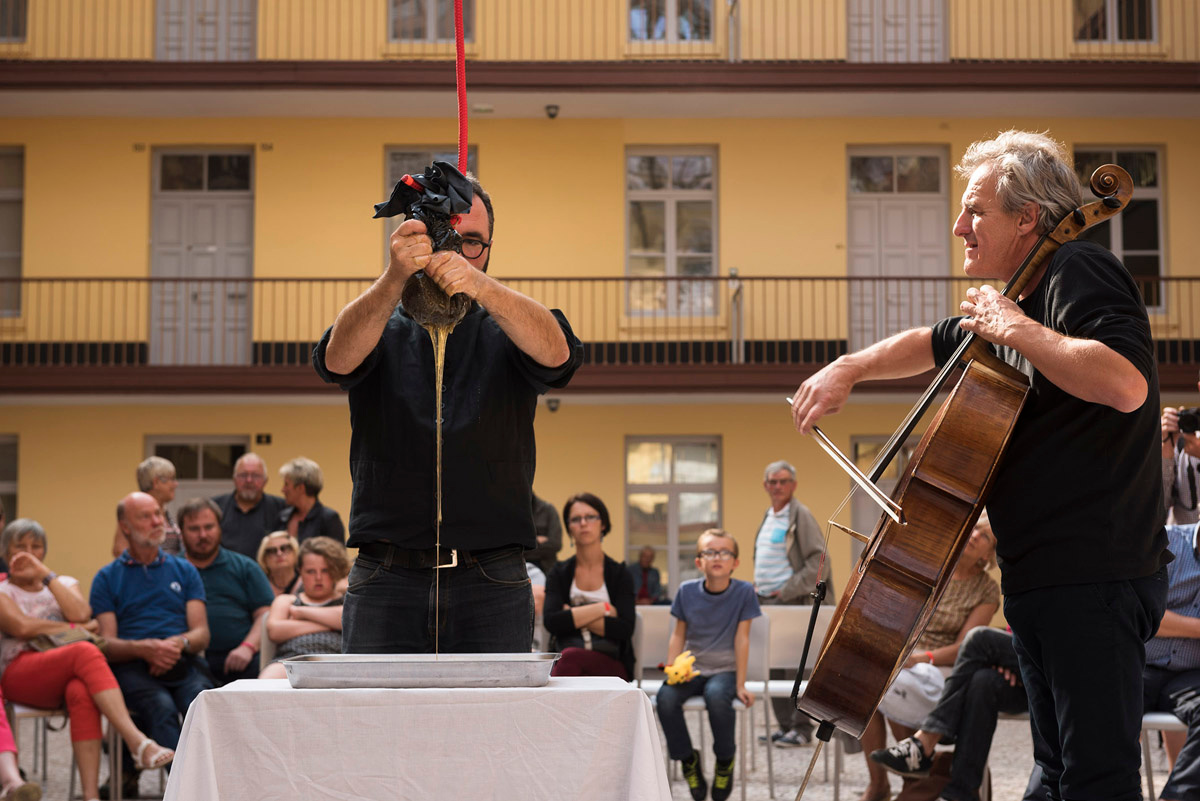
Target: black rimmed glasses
{"type": "Point", "coordinates": [473, 248]}
{"type": "Point", "coordinates": [709, 553]}
{"type": "Point", "coordinates": [579, 520]}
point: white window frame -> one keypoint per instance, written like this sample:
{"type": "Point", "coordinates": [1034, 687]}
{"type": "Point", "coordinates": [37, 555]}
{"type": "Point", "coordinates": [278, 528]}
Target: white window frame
{"type": "Point", "coordinates": [431, 23]}
{"type": "Point", "coordinates": [10, 487]}
{"type": "Point", "coordinates": [671, 197]}
{"type": "Point", "coordinates": [671, 32]}
{"type": "Point", "coordinates": [202, 486]}
{"type": "Point", "coordinates": [16, 195]}
{"type": "Point", "coordinates": [6, 7]}
{"type": "Point", "coordinates": [1156, 193]}
{"type": "Point", "coordinates": [429, 154]}
{"type": "Point", "coordinates": [673, 489]}
{"type": "Point", "coordinates": [1111, 17]}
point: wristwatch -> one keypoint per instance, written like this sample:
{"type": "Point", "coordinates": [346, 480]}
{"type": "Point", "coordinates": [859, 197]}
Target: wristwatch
{"type": "Point", "coordinates": [186, 645]}
{"type": "Point", "coordinates": [49, 577]}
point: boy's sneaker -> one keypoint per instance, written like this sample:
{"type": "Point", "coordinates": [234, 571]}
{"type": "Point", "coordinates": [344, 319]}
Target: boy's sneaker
{"type": "Point", "coordinates": [906, 758]}
{"type": "Point", "coordinates": [693, 776]}
{"type": "Point", "coordinates": [793, 739]}
{"type": "Point", "coordinates": [722, 779]}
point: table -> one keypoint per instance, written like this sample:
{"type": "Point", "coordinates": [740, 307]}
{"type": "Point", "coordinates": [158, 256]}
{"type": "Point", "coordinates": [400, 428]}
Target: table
{"type": "Point", "coordinates": [576, 738]}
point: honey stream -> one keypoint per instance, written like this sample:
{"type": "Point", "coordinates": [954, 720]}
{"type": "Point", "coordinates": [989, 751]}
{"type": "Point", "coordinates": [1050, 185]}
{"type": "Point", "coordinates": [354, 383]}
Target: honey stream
{"type": "Point", "coordinates": [438, 335]}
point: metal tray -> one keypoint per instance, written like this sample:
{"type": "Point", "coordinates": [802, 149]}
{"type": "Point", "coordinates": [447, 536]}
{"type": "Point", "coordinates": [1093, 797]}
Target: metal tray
{"type": "Point", "coordinates": [339, 671]}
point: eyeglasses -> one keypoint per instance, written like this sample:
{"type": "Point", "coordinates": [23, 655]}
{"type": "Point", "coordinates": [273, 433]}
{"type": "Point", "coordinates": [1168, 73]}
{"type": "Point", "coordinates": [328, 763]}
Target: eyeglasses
{"type": "Point", "coordinates": [282, 549]}
{"type": "Point", "coordinates": [249, 477]}
{"type": "Point", "coordinates": [709, 553]}
{"type": "Point", "coordinates": [473, 248]}
{"type": "Point", "coordinates": [579, 520]}
{"type": "Point", "coordinates": [775, 482]}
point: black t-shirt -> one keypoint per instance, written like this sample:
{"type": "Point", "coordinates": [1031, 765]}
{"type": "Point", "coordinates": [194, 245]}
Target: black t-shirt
{"type": "Point", "coordinates": [488, 401]}
{"type": "Point", "coordinates": [243, 531]}
{"type": "Point", "coordinates": [1078, 495]}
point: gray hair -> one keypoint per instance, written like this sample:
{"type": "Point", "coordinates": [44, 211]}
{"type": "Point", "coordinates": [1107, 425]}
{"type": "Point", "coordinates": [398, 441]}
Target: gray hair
{"type": "Point", "coordinates": [18, 530]}
{"type": "Point", "coordinates": [154, 467]}
{"type": "Point", "coordinates": [250, 455]}
{"type": "Point", "coordinates": [306, 473]}
{"type": "Point", "coordinates": [1029, 168]}
{"type": "Point", "coordinates": [775, 467]}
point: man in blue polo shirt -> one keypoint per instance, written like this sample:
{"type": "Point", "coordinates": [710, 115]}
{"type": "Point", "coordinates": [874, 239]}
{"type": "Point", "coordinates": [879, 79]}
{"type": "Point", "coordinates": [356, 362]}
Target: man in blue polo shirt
{"type": "Point", "coordinates": [236, 590]}
{"type": "Point", "coordinates": [150, 607]}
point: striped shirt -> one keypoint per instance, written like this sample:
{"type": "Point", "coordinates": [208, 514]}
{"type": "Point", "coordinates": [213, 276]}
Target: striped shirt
{"type": "Point", "coordinates": [771, 566]}
{"type": "Point", "coordinates": [1183, 598]}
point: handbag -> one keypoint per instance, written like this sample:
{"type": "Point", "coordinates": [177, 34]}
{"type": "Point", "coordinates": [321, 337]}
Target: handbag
{"type": "Point", "coordinates": [48, 642]}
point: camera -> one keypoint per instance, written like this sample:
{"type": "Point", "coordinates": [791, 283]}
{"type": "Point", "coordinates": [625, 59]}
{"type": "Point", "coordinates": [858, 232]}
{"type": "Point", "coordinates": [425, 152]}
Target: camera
{"type": "Point", "coordinates": [1189, 420]}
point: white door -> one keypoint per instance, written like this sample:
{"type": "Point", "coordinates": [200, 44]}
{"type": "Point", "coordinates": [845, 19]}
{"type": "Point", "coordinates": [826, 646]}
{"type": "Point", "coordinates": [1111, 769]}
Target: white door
{"type": "Point", "coordinates": [896, 31]}
{"type": "Point", "coordinates": [897, 235]}
{"type": "Point", "coordinates": [206, 30]}
{"type": "Point", "coordinates": [202, 245]}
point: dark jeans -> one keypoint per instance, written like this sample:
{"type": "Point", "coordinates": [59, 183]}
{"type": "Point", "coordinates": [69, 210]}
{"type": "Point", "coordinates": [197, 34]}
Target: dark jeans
{"type": "Point", "coordinates": [485, 606]}
{"type": "Point", "coordinates": [1158, 685]}
{"type": "Point", "coordinates": [974, 695]}
{"type": "Point", "coordinates": [1081, 648]}
{"type": "Point", "coordinates": [216, 667]}
{"type": "Point", "coordinates": [156, 704]}
{"type": "Point", "coordinates": [719, 691]}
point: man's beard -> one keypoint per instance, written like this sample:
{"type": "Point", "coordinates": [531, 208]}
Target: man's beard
{"type": "Point", "coordinates": [249, 496]}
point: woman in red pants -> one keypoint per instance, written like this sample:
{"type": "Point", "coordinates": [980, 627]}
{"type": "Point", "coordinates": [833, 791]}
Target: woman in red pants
{"type": "Point", "coordinates": [35, 600]}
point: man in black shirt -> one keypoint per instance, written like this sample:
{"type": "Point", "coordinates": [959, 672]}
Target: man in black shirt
{"type": "Point", "coordinates": [1077, 501]}
{"type": "Point", "coordinates": [248, 514]}
{"type": "Point", "coordinates": [505, 352]}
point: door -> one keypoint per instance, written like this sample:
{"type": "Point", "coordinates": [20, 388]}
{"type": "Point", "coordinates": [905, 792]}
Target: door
{"type": "Point", "coordinates": [206, 30]}
{"type": "Point", "coordinates": [202, 246]}
{"type": "Point", "coordinates": [897, 235]}
{"type": "Point", "coordinates": [896, 31]}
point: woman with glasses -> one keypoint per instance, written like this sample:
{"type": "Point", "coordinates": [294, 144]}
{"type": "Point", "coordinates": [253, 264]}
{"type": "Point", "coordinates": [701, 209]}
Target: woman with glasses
{"type": "Point", "coordinates": [589, 598]}
{"type": "Point", "coordinates": [277, 556]}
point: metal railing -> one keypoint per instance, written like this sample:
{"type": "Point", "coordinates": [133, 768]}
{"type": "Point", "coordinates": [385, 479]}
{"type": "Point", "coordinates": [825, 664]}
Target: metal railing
{"type": "Point", "coordinates": [735, 320]}
{"type": "Point", "coordinates": [916, 31]}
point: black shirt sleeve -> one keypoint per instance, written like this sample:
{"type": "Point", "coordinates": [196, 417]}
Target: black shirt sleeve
{"type": "Point", "coordinates": [353, 377]}
{"type": "Point", "coordinates": [947, 336]}
{"type": "Point", "coordinates": [544, 378]}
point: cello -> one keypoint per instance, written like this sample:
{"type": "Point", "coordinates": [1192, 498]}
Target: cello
{"type": "Point", "coordinates": [910, 557]}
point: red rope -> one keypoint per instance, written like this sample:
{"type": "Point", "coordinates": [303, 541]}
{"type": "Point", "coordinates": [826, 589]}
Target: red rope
{"type": "Point", "coordinates": [460, 74]}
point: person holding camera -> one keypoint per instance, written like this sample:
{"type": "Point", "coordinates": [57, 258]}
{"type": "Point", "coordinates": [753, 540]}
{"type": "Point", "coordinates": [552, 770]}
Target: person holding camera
{"type": "Point", "coordinates": [1181, 463]}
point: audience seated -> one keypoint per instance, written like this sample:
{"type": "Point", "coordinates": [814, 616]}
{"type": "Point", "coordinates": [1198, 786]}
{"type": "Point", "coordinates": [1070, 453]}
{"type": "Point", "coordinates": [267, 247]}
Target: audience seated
{"type": "Point", "coordinates": [12, 786]}
{"type": "Point", "coordinates": [712, 621]}
{"type": "Point", "coordinates": [248, 513]}
{"type": "Point", "coordinates": [237, 594]}
{"type": "Point", "coordinates": [971, 599]}
{"type": "Point", "coordinates": [548, 531]}
{"type": "Point", "coordinates": [277, 556]}
{"type": "Point", "coordinates": [150, 607]}
{"type": "Point", "coordinates": [310, 622]}
{"type": "Point", "coordinates": [305, 516]}
{"type": "Point", "coordinates": [34, 601]}
{"type": "Point", "coordinates": [156, 477]}
{"type": "Point", "coordinates": [589, 599]}
{"type": "Point", "coordinates": [647, 582]}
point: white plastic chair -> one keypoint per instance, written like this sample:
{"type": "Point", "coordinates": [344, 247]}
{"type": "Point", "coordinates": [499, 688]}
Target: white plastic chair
{"type": "Point", "coordinates": [1156, 721]}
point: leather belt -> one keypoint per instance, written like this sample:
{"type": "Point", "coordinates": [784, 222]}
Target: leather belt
{"type": "Point", "coordinates": [424, 558]}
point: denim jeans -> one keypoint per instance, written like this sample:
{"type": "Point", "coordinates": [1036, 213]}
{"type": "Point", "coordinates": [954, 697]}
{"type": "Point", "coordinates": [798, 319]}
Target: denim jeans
{"type": "Point", "coordinates": [719, 691]}
{"type": "Point", "coordinates": [156, 704]}
{"type": "Point", "coordinates": [1159, 684]}
{"type": "Point", "coordinates": [483, 606]}
{"type": "Point", "coordinates": [1082, 652]}
{"type": "Point", "coordinates": [972, 698]}
{"type": "Point", "coordinates": [216, 667]}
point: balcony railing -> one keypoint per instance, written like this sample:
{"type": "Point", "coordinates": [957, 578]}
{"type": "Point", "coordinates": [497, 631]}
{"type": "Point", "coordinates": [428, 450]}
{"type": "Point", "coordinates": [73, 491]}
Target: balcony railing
{"type": "Point", "coordinates": [916, 31]}
{"type": "Point", "coordinates": [657, 324]}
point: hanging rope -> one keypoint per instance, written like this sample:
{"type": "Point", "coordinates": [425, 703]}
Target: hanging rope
{"type": "Point", "coordinates": [460, 75]}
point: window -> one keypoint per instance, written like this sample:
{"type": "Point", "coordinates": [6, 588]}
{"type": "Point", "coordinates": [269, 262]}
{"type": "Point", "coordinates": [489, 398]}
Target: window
{"type": "Point", "coordinates": [8, 477]}
{"type": "Point", "coordinates": [672, 495]}
{"type": "Point", "coordinates": [12, 208]}
{"type": "Point", "coordinates": [14, 15]}
{"type": "Point", "coordinates": [1135, 235]}
{"type": "Point", "coordinates": [900, 174]}
{"type": "Point", "coordinates": [670, 21]}
{"type": "Point", "coordinates": [672, 223]}
{"type": "Point", "coordinates": [401, 161]}
{"type": "Point", "coordinates": [205, 172]}
{"type": "Point", "coordinates": [1114, 20]}
{"type": "Point", "coordinates": [428, 20]}
{"type": "Point", "coordinates": [203, 463]}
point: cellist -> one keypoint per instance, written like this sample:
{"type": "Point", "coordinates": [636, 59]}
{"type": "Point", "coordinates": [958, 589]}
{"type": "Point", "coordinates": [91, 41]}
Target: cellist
{"type": "Point", "coordinates": [1077, 501]}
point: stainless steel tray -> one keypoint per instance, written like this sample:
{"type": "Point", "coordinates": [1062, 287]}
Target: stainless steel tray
{"type": "Point", "coordinates": [339, 671]}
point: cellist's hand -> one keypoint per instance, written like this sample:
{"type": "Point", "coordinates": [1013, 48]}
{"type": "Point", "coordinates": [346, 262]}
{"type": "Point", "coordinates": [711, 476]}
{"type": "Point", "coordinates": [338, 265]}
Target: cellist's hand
{"type": "Point", "coordinates": [823, 393]}
{"type": "Point", "coordinates": [992, 316]}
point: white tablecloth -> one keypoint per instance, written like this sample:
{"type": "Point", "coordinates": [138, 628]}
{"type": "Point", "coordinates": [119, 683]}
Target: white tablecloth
{"type": "Point", "coordinates": [576, 738]}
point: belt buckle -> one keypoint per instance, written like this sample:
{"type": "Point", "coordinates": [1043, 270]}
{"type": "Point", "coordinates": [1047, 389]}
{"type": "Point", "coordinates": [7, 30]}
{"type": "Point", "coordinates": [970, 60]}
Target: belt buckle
{"type": "Point", "coordinates": [437, 565]}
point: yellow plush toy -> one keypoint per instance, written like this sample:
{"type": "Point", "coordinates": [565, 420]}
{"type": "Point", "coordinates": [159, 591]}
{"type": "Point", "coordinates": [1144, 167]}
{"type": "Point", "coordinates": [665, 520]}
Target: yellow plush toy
{"type": "Point", "coordinates": [681, 670]}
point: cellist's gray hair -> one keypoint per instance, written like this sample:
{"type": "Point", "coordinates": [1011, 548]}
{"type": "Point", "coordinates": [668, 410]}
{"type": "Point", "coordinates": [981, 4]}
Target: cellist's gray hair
{"type": "Point", "coordinates": [1029, 168]}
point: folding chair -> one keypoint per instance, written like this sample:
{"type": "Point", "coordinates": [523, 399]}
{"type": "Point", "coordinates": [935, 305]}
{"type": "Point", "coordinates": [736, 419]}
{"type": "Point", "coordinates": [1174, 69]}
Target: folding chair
{"type": "Point", "coordinates": [1156, 721]}
{"type": "Point", "coordinates": [654, 628]}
